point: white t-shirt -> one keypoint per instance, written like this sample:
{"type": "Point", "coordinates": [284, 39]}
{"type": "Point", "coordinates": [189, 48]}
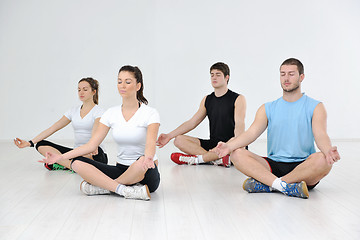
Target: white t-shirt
{"type": "Point", "coordinates": [83, 126]}
{"type": "Point", "coordinates": [130, 136]}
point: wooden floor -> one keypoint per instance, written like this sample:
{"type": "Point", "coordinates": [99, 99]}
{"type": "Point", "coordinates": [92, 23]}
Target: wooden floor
{"type": "Point", "coordinates": [192, 202]}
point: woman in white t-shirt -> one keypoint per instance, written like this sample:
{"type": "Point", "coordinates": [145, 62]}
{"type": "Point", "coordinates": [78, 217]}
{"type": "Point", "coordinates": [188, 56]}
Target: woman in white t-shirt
{"type": "Point", "coordinates": [135, 127]}
{"type": "Point", "coordinates": [85, 119]}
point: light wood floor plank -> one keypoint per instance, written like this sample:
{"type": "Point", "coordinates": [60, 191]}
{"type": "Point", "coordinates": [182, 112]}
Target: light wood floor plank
{"type": "Point", "coordinates": [192, 202]}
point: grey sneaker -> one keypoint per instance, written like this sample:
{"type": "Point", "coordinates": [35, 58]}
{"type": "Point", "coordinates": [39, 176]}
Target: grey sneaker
{"type": "Point", "coordinates": [90, 190]}
{"type": "Point", "coordinates": [137, 191]}
{"type": "Point", "coordinates": [295, 189]}
{"type": "Point", "coordinates": [251, 185]}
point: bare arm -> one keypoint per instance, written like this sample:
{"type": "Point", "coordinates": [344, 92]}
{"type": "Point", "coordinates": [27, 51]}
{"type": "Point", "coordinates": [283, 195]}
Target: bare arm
{"type": "Point", "coordinates": [255, 130]}
{"type": "Point", "coordinates": [240, 112]}
{"type": "Point", "coordinates": [64, 121]}
{"type": "Point", "coordinates": [150, 147]}
{"type": "Point", "coordinates": [319, 125]}
{"type": "Point", "coordinates": [61, 123]}
{"type": "Point", "coordinates": [89, 147]}
{"type": "Point", "coordinates": [96, 124]}
{"type": "Point", "coordinates": [185, 127]}
{"type": "Point", "coordinates": [151, 135]}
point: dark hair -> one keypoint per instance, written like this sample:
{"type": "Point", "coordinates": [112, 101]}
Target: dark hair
{"type": "Point", "coordinates": [223, 67]}
{"type": "Point", "coordinates": [94, 84]}
{"type": "Point", "coordinates": [294, 61]}
{"type": "Point", "coordinates": [139, 79]}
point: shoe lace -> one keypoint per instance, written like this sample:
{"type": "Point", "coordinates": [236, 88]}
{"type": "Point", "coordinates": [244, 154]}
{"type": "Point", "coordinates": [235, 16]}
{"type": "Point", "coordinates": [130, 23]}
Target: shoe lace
{"type": "Point", "coordinates": [188, 159]}
{"type": "Point", "coordinates": [217, 162]}
{"type": "Point", "coordinates": [290, 189]}
{"type": "Point", "coordinates": [129, 190]}
{"type": "Point", "coordinates": [261, 187]}
{"type": "Point", "coordinates": [57, 167]}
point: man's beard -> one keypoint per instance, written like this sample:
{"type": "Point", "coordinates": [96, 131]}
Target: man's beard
{"type": "Point", "coordinates": [291, 89]}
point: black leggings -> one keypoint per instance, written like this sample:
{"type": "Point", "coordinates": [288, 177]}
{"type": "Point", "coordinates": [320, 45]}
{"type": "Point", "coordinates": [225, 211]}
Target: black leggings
{"type": "Point", "coordinates": [100, 157]}
{"type": "Point", "coordinates": [151, 178]}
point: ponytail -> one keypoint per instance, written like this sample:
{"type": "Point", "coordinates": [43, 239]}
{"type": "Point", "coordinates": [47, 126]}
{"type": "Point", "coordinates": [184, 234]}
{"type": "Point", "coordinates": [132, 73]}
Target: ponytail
{"type": "Point", "coordinates": [139, 79]}
{"type": "Point", "coordinates": [94, 84]}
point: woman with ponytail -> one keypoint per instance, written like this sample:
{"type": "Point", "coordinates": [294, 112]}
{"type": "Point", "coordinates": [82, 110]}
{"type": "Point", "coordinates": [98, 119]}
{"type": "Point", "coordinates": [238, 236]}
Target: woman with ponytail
{"type": "Point", "coordinates": [135, 127]}
{"type": "Point", "coordinates": [85, 119]}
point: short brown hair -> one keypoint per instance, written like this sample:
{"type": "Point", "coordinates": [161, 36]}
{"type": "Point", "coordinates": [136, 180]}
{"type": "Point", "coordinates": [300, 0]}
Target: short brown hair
{"type": "Point", "coordinates": [224, 68]}
{"type": "Point", "coordinates": [294, 61]}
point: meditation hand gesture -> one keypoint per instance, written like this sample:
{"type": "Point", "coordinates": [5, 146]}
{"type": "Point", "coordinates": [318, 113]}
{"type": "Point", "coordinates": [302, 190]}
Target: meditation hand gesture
{"type": "Point", "coordinates": [332, 155]}
{"type": "Point", "coordinates": [222, 149]}
{"type": "Point", "coordinates": [146, 162]}
{"type": "Point", "coordinates": [163, 140]}
{"type": "Point", "coordinates": [21, 143]}
{"type": "Point", "coordinates": [51, 158]}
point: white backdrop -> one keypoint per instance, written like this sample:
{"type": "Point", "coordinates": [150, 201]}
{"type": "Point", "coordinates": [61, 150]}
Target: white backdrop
{"type": "Point", "coordinates": [47, 46]}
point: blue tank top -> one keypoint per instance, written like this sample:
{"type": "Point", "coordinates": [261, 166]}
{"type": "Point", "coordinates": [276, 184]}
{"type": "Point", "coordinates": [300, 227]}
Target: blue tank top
{"type": "Point", "coordinates": [289, 136]}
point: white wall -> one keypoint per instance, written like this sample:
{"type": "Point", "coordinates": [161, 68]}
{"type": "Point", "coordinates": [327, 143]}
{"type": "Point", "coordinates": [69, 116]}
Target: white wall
{"type": "Point", "coordinates": [47, 46]}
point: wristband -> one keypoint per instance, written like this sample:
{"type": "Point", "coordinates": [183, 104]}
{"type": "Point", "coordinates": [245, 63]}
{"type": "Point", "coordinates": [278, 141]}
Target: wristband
{"type": "Point", "coordinates": [31, 143]}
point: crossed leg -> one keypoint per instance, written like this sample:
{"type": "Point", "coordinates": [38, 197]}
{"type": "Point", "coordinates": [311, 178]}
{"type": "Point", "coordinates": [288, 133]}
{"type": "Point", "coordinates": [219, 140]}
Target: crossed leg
{"type": "Point", "coordinates": [45, 146]}
{"type": "Point", "coordinates": [45, 149]}
{"type": "Point", "coordinates": [192, 146]}
{"type": "Point", "coordinates": [312, 170]}
{"type": "Point", "coordinates": [91, 174]}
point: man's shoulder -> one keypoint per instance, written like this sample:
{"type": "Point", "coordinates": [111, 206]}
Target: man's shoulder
{"type": "Point", "coordinates": [210, 94]}
{"type": "Point", "coordinates": [273, 102]}
{"type": "Point", "coordinates": [233, 92]}
{"type": "Point", "coordinates": [310, 99]}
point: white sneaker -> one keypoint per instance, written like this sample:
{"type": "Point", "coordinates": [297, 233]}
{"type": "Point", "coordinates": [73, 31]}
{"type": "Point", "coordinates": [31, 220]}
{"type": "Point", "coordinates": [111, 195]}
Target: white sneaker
{"type": "Point", "coordinates": [90, 190]}
{"type": "Point", "coordinates": [137, 191]}
{"type": "Point", "coordinates": [224, 161]}
{"type": "Point", "coordinates": [191, 160]}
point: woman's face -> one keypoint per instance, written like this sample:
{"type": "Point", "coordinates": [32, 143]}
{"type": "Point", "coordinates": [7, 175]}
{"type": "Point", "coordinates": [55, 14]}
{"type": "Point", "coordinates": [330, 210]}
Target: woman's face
{"type": "Point", "coordinates": [85, 92]}
{"type": "Point", "coordinates": [127, 85]}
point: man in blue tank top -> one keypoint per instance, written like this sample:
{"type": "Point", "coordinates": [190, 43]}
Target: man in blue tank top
{"type": "Point", "coordinates": [293, 121]}
{"type": "Point", "coordinates": [225, 110]}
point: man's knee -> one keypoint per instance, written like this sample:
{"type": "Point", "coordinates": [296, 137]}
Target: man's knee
{"type": "Point", "coordinates": [237, 155]}
{"type": "Point", "coordinates": [320, 163]}
{"type": "Point", "coordinates": [179, 141]}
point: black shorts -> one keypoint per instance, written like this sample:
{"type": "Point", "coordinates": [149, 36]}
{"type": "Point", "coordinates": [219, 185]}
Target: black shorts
{"type": "Point", "coordinates": [151, 178]}
{"type": "Point", "coordinates": [100, 157]}
{"type": "Point", "coordinates": [209, 144]}
{"type": "Point", "coordinates": [280, 169]}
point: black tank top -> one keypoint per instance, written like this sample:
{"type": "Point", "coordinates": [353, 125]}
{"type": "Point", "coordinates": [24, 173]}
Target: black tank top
{"type": "Point", "coordinates": [220, 111]}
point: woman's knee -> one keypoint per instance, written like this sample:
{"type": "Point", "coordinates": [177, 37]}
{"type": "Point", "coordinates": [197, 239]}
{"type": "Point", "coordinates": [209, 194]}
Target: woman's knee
{"type": "Point", "coordinates": [76, 165]}
{"type": "Point", "coordinates": [137, 165]}
{"type": "Point", "coordinates": [152, 179]}
{"type": "Point", "coordinates": [153, 186]}
{"type": "Point", "coordinates": [42, 144]}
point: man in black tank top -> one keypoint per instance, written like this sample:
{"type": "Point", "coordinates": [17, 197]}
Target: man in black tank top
{"type": "Point", "coordinates": [225, 110]}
